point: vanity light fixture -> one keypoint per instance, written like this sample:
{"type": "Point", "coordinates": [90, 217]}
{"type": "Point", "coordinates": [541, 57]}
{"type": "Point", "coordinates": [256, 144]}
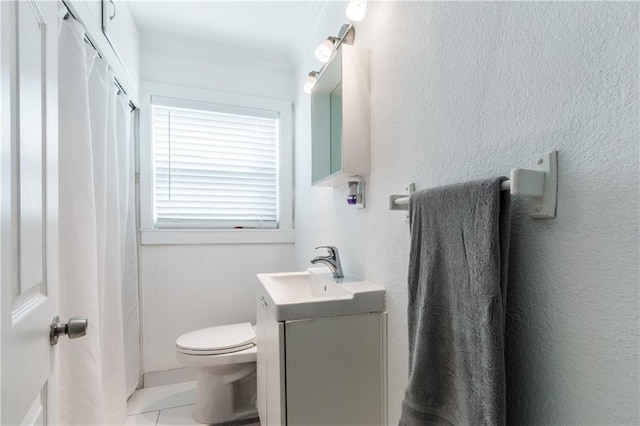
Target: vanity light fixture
{"type": "Point", "coordinates": [324, 53]}
{"type": "Point", "coordinates": [326, 49]}
{"type": "Point", "coordinates": [311, 81]}
{"type": "Point", "coordinates": [356, 10]}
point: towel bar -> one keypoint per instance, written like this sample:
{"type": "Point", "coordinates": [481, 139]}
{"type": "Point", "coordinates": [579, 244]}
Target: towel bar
{"type": "Point", "coordinates": [404, 200]}
{"type": "Point", "coordinates": [540, 183]}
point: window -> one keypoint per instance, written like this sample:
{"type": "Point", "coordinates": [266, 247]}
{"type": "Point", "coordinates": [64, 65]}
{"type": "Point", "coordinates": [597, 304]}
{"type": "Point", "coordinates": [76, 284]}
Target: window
{"type": "Point", "coordinates": [214, 167]}
{"type": "Point", "coordinates": [218, 165]}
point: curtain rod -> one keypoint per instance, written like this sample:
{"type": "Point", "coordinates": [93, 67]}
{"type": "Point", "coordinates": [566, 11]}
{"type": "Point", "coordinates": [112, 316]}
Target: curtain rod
{"type": "Point", "coordinates": [93, 46]}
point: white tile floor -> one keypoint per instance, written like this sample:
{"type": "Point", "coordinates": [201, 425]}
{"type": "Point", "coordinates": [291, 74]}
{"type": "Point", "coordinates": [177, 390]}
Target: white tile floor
{"type": "Point", "coordinates": [166, 405]}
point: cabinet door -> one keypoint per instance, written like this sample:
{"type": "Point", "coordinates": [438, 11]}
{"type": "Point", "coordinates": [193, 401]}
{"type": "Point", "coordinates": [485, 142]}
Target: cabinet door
{"type": "Point", "coordinates": [335, 371]}
{"type": "Point", "coordinates": [262, 318]}
{"type": "Point", "coordinates": [120, 29]}
{"type": "Point", "coordinates": [95, 7]}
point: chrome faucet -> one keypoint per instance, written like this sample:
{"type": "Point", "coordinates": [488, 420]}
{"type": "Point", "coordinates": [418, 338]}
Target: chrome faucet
{"type": "Point", "coordinates": [332, 260]}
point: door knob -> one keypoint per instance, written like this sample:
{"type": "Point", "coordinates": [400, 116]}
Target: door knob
{"type": "Point", "coordinates": [76, 327]}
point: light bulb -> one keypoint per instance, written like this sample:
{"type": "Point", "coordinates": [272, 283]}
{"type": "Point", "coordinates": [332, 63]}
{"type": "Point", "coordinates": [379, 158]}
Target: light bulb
{"type": "Point", "coordinates": [311, 81]}
{"type": "Point", "coordinates": [325, 50]}
{"type": "Point", "coordinates": [356, 10]}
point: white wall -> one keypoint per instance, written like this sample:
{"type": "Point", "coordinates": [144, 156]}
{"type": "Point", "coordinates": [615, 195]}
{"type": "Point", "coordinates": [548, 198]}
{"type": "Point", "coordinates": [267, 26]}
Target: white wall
{"type": "Point", "coordinates": [194, 286]}
{"type": "Point", "coordinates": [186, 287]}
{"type": "Point", "coordinates": [194, 63]}
{"type": "Point", "coordinates": [466, 90]}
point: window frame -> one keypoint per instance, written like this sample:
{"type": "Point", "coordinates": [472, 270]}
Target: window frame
{"type": "Point", "coordinates": [150, 235]}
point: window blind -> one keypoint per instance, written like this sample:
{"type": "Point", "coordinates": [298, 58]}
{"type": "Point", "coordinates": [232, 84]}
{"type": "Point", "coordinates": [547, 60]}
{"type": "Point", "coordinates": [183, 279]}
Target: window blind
{"type": "Point", "coordinates": [215, 168]}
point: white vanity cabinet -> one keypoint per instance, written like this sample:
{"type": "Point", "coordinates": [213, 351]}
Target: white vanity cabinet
{"type": "Point", "coordinates": [321, 371]}
{"type": "Point", "coordinates": [271, 379]}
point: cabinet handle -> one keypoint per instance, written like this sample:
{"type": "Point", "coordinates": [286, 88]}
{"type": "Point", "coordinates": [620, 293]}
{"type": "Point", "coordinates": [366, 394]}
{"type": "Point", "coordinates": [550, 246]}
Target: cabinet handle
{"type": "Point", "coordinates": [114, 10]}
{"type": "Point", "coordinates": [263, 302]}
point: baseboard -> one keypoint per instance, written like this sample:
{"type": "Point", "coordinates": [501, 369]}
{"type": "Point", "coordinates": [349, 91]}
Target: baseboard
{"type": "Point", "coordinates": [169, 377]}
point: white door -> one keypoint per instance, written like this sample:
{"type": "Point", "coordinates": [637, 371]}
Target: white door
{"type": "Point", "coordinates": [29, 205]}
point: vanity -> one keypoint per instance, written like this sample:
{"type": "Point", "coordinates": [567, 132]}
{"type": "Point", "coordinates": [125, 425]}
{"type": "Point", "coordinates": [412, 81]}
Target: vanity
{"type": "Point", "coordinates": [321, 350]}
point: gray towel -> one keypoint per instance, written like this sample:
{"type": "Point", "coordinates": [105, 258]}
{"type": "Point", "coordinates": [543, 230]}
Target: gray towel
{"type": "Point", "coordinates": [457, 295]}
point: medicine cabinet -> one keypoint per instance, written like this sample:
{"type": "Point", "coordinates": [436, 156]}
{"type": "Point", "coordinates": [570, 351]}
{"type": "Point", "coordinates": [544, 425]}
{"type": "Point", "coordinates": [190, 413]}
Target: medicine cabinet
{"type": "Point", "coordinates": [340, 119]}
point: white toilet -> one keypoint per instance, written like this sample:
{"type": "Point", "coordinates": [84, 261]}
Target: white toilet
{"type": "Point", "coordinates": [224, 360]}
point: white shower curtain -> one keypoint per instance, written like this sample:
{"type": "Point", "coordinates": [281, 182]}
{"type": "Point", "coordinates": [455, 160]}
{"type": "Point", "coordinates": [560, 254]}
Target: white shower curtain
{"type": "Point", "coordinates": [98, 258]}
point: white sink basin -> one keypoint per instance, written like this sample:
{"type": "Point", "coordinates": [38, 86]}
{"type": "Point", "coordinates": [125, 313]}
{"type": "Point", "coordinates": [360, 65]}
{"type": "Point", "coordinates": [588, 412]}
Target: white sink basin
{"type": "Point", "coordinates": [315, 293]}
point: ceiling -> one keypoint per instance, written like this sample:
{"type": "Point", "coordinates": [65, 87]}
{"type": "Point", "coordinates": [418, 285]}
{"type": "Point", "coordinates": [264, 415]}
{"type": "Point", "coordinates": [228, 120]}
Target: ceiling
{"type": "Point", "coordinates": [280, 28]}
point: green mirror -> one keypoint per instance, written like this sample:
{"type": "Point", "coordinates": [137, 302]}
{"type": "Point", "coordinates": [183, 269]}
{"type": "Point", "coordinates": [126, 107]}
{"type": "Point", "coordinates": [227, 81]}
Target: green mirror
{"type": "Point", "coordinates": [326, 116]}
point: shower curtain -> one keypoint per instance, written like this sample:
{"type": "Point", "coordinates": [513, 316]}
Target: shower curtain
{"type": "Point", "coordinates": [98, 248]}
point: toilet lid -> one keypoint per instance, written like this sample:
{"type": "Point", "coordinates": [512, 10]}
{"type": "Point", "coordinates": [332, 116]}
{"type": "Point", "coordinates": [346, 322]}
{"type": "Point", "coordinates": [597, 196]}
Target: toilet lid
{"type": "Point", "coordinates": [218, 340]}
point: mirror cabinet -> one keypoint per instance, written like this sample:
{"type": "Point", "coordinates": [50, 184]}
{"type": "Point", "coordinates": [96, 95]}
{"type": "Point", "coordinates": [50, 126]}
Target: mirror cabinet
{"type": "Point", "coordinates": [340, 118]}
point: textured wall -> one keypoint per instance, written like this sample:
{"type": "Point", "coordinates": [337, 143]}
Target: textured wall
{"type": "Point", "coordinates": [467, 90]}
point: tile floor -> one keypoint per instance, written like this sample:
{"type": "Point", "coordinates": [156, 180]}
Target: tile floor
{"type": "Point", "coordinates": [167, 405]}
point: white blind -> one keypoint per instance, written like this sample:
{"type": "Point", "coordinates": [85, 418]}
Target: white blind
{"type": "Point", "coordinates": [215, 168]}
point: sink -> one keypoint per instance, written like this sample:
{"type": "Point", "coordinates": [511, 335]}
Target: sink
{"type": "Point", "coordinates": [315, 293]}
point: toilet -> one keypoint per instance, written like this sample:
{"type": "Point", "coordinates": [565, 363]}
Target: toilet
{"type": "Point", "coordinates": [224, 361]}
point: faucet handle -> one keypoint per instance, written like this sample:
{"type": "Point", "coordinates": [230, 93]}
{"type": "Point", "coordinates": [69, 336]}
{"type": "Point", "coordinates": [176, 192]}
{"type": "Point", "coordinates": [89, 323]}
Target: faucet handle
{"type": "Point", "coordinates": [332, 250]}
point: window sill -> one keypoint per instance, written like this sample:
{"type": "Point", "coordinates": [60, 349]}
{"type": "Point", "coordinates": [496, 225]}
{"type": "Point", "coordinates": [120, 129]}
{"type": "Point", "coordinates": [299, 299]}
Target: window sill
{"type": "Point", "coordinates": [216, 236]}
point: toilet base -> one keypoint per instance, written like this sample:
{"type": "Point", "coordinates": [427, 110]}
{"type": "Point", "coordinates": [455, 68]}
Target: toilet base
{"type": "Point", "coordinates": [248, 414]}
{"type": "Point", "coordinates": [224, 398]}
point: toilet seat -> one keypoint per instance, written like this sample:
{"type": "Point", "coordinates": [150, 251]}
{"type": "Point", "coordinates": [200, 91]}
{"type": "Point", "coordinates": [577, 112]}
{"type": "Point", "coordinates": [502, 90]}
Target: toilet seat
{"type": "Point", "coordinates": [218, 340]}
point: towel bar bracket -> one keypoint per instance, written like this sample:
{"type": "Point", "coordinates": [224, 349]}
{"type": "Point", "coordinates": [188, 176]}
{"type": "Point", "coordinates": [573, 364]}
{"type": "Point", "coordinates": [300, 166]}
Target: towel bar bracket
{"type": "Point", "coordinates": [540, 183]}
{"type": "Point", "coordinates": [527, 183]}
{"type": "Point", "coordinates": [403, 199]}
